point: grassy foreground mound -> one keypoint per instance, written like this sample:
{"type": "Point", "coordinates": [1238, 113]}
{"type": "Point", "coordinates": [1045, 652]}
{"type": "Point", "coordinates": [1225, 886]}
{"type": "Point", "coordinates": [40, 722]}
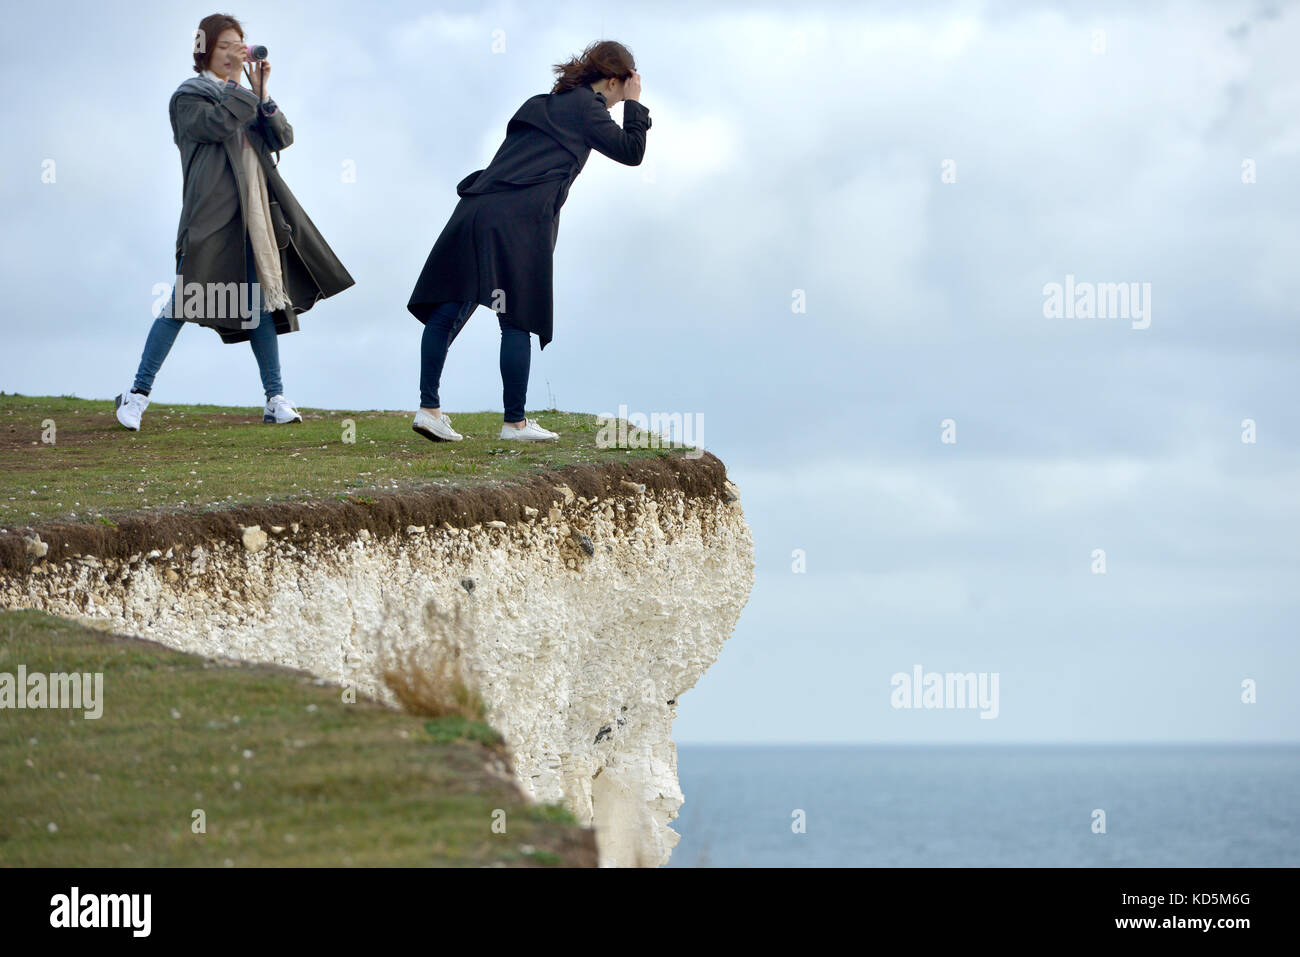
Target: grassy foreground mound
{"type": "Point", "coordinates": [281, 769]}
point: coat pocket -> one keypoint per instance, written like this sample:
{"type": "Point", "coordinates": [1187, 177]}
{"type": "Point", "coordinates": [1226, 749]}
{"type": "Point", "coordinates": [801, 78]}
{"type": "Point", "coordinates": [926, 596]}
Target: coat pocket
{"type": "Point", "coordinates": [283, 231]}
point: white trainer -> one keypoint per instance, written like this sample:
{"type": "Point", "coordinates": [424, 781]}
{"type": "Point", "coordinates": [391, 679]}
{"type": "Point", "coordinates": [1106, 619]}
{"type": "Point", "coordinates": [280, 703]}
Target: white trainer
{"type": "Point", "coordinates": [437, 429]}
{"type": "Point", "coordinates": [130, 406]}
{"type": "Point", "coordinates": [280, 411]}
{"type": "Point", "coordinates": [531, 432]}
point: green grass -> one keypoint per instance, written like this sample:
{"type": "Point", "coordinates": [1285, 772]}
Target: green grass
{"type": "Point", "coordinates": [286, 772]}
{"type": "Point", "coordinates": [457, 728]}
{"type": "Point", "coordinates": [203, 457]}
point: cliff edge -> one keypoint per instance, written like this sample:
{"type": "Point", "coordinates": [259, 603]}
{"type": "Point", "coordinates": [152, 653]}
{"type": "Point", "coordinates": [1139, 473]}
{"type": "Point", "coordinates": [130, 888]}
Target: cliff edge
{"type": "Point", "coordinates": [580, 602]}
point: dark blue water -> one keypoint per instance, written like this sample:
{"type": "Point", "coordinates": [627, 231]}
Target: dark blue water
{"type": "Point", "coordinates": [992, 806]}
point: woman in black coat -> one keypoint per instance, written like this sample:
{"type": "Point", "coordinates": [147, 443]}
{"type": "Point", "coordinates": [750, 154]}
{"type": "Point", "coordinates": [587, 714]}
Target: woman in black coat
{"type": "Point", "coordinates": [496, 249]}
{"type": "Point", "coordinates": [248, 258]}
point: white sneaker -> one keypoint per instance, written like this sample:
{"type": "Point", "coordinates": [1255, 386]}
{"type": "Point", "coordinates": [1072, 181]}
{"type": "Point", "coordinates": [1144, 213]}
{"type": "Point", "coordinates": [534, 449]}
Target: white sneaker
{"type": "Point", "coordinates": [280, 411]}
{"type": "Point", "coordinates": [531, 432]}
{"type": "Point", "coordinates": [130, 406]}
{"type": "Point", "coordinates": [436, 429]}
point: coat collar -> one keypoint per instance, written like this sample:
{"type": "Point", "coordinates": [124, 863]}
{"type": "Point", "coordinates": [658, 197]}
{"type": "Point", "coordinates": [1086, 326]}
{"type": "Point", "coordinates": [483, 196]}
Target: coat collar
{"type": "Point", "coordinates": [201, 85]}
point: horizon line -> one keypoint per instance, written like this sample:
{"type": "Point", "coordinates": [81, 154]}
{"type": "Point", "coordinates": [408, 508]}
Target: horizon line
{"type": "Point", "coordinates": [1036, 743]}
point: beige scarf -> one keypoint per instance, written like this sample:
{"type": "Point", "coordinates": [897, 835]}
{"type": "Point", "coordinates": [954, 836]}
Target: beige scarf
{"type": "Point", "coordinates": [261, 234]}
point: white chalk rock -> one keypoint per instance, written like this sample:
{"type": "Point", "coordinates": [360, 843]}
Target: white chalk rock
{"type": "Point", "coordinates": [254, 538]}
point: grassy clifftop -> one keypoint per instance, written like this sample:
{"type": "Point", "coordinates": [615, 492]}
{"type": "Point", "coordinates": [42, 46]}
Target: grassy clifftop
{"type": "Point", "coordinates": [74, 480]}
{"type": "Point", "coordinates": [68, 459]}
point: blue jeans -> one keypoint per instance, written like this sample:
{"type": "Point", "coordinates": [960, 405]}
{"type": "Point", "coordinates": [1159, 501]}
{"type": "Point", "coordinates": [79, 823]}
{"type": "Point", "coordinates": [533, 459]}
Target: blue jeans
{"type": "Point", "coordinates": [262, 337]}
{"type": "Point", "coordinates": [516, 352]}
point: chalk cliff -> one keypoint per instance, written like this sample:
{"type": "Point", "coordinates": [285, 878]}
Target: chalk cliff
{"type": "Point", "coordinates": [582, 603]}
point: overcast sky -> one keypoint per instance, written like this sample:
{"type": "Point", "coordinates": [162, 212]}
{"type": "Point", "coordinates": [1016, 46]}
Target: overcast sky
{"type": "Point", "coordinates": [916, 175]}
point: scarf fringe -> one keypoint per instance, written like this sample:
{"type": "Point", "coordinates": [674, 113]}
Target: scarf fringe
{"type": "Point", "coordinates": [261, 234]}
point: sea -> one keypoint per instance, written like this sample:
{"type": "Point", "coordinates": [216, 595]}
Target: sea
{"type": "Point", "coordinates": [1076, 805]}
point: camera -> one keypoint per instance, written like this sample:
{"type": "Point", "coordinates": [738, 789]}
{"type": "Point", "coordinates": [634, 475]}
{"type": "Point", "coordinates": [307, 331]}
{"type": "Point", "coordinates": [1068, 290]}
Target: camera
{"type": "Point", "coordinates": [256, 52]}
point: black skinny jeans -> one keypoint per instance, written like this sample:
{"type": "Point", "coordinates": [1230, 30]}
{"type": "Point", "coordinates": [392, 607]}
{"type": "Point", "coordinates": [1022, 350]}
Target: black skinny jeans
{"type": "Point", "coordinates": [516, 351]}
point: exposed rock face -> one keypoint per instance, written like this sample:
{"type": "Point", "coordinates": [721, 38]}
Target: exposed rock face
{"type": "Point", "coordinates": [580, 625]}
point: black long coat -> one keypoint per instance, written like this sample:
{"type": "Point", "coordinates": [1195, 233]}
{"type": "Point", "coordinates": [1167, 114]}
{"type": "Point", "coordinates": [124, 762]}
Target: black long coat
{"type": "Point", "coordinates": [497, 247]}
{"type": "Point", "coordinates": [210, 245]}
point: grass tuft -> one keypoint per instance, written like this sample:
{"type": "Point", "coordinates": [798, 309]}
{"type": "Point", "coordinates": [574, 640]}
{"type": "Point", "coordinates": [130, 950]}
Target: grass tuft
{"type": "Point", "coordinates": [427, 681]}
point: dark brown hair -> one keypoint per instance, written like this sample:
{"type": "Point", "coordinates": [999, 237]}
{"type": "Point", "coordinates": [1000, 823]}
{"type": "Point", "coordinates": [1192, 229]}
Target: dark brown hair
{"type": "Point", "coordinates": [205, 37]}
{"type": "Point", "coordinates": [601, 60]}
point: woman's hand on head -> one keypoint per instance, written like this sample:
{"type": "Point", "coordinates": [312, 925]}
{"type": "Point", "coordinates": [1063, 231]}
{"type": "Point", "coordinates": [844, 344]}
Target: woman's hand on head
{"type": "Point", "coordinates": [632, 87]}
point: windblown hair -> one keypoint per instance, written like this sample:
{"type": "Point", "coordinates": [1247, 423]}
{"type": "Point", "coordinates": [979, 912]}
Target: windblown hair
{"type": "Point", "coordinates": [205, 37]}
{"type": "Point", "coordinates": [601, 60]}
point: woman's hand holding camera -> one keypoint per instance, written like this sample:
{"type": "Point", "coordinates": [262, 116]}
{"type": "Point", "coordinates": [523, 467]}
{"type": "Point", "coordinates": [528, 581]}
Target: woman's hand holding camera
{"type": "Point", "coordinates": [259, 70]}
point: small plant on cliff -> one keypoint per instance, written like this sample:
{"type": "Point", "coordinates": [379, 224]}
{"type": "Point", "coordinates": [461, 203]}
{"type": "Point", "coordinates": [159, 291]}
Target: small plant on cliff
{"type": "Point", "coordinates": [428, 679]}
